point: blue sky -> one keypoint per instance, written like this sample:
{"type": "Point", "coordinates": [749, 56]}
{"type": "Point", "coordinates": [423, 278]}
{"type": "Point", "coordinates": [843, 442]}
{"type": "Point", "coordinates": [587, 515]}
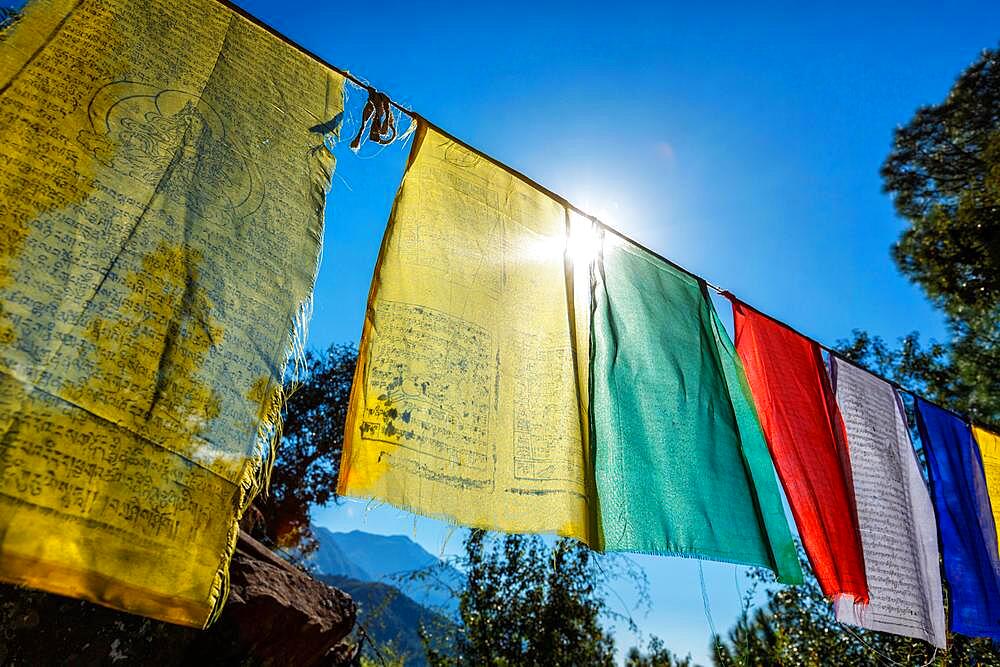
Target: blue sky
{"type": "Point", "coordinates": [743, 143]}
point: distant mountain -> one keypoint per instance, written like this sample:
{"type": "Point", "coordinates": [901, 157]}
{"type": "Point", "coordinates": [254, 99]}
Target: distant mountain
{"type": "Point", "coordinates": [387, 559]}
{"type": "Point", "coordinates": [391, 618]}
{"type": "Point", "coordinates": [329, 558]}
{"type": "Point", "coordinates": [380, 555]}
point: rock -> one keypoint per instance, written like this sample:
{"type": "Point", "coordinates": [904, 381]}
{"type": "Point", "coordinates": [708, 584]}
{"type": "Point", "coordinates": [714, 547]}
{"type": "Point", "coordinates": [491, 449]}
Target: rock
{"type": "Point", "coordinates": [276, 614]}
{"type": "Point", "coordinates": [280, 615]}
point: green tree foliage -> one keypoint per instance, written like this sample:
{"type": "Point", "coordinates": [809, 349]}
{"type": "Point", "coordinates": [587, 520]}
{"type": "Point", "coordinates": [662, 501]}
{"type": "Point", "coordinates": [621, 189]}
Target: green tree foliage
{"type": "Point", "coordinates": [528, 604]}
{"type": "Point", "coordinates": [943, 174]}
{"type": "Point", "coordinates": [796, 627]}
{"type": "Point", "coordinates": [385, 656]}
{"type": "Point", "coordinates": [308, 457]}
{"type": "Point", "coordinates": [657, 655]}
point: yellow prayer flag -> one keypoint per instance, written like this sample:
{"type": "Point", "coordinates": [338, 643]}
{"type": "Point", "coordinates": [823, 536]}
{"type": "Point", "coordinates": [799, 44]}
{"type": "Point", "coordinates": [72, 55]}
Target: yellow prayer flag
{"type": "Point", "coordinates": [466, 404]}
{"type": "Point", "coordinates": [163, 180]}
{"type": "Point", "coordinates": [989, 451]}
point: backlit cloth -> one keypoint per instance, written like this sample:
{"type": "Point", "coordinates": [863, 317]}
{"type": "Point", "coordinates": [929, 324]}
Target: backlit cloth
{"type": "Point", "coordinates": [805, 433]}
{"type": "Point", "coordinates": [471, 398]}
{"type": "Point", "coordinates": [965, 521]}
{"type": "Point", "coordinates": [895, 513]}
{"type": "Point", "coordinates": [162, 196]}
{"type": "Point", "coordinates": [681, 465]}
{"type": "Point", "coordinates": [466, 404]}
{"type": "Point", "coordinates": [989, 451]}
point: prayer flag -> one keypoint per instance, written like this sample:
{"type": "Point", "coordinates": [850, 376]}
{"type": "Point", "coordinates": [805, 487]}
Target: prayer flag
{"type": "Point", "coordinates": [162, 193]}
{"type": "Point", "coordinates": [475, 399]}
{"type": "Point", "coordinates": [989, 451]}
{"type": "Point", "coordinates": [758, 459]}
{"type": "Point", "coordinates": [680, 463]}
{"type": "Point", "coordinates": [895, 514]}
{"type": "Point", "coordinates": [805, 434]}
{"type": "Point", "coordinates": [466, 404]}
{"type": "Point", "coordinates": [965, 521]}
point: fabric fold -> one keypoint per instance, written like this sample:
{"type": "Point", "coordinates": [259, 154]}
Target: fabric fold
{"type": "Point", "coordinates": [163, 215]}
{"type": "Point", "coordinates": [805, 434]}
{"type": "Point", "coordinates": [965, 521]}
{"type": "Point", "coordinates": [679, 462]}
{"type": "Point", "coordinates": [895, 514]}
{"type": "Point", "coordinates": [466, 404]}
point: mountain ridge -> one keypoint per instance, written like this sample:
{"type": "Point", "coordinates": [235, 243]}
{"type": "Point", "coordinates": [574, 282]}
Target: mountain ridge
{"type": "Point", "coordinates": [394, 603]}
{"type": "Point", "coordinates": [392, 619]}
{"type": "Point", "coordinates": [388, 559]}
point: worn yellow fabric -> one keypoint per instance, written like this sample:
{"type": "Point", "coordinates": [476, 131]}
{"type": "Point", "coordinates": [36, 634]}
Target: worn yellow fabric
{"type": "Point", "coordinates": [989, 452]}
{"type": "Point", "coordinates": [161, 197]}
{"type": "Point", "coordinates": [466, 404]}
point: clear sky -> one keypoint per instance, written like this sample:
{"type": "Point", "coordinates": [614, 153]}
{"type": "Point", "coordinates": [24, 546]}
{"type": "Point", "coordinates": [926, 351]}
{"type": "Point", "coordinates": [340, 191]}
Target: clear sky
{"type": "Point", "coordinates": [742, 143]}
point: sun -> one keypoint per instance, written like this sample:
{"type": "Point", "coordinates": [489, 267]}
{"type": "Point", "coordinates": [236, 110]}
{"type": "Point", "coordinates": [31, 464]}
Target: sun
{"type": "Point", "coordinates": [583, 244]}
{"type": "Point", "coordinates": [580, 244]}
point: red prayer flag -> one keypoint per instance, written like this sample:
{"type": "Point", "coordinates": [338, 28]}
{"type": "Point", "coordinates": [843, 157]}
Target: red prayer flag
{"type": "Point", "coordinates": [805, 433]}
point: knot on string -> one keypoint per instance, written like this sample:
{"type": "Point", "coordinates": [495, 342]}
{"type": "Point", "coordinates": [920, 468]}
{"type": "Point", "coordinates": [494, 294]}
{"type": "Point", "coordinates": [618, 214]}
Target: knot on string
{"type": "Point", "coordinates": [378, 118]}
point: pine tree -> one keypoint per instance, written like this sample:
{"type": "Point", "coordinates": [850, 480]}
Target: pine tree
{"type": "Point", "coordinates": [525, 603]}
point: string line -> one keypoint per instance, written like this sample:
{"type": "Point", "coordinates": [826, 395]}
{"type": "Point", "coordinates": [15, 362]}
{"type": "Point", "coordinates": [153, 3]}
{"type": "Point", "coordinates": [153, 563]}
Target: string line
{"type": "Point", "coordinates": [560, 199]}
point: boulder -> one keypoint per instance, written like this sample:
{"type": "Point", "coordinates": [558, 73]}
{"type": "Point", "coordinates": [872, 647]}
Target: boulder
{"type": "Point", "coordinates": [282, 616]}
{"type": "Point", "coordinates": [276, 614]}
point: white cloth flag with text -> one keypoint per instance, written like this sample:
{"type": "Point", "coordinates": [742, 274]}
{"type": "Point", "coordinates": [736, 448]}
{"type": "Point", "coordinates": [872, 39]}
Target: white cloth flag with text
{"type": "Point", "coordinates": [898, 534]}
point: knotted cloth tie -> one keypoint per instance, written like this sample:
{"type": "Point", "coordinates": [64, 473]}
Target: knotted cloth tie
{"type": "Point", "coordinates": [377, 112]}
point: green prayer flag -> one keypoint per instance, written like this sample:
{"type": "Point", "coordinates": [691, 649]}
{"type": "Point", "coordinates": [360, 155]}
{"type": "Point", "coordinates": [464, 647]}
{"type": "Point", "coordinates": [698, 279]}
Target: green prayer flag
{"type": "Point", "coordinates": [680, 461]}
{"type": "Point", "coordinates": [784, 557]}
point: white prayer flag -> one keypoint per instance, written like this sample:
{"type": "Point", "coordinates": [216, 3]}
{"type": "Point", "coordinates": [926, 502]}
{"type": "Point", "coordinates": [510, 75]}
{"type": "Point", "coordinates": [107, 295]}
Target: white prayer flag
{"type": "Point", "coordinates": [898, 534]}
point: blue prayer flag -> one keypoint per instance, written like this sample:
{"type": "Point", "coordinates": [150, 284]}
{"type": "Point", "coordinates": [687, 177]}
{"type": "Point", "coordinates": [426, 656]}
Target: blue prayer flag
{"type": "Point", "coordinates": [965, 521]}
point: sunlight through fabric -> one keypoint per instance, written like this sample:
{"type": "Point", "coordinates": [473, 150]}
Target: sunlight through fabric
{"type": "Point", "coordinates": [163, 212]}
{"type": "Point", "coordinates": [481, 388]}
{"type": "Point", "coordinates": [466, 405]}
